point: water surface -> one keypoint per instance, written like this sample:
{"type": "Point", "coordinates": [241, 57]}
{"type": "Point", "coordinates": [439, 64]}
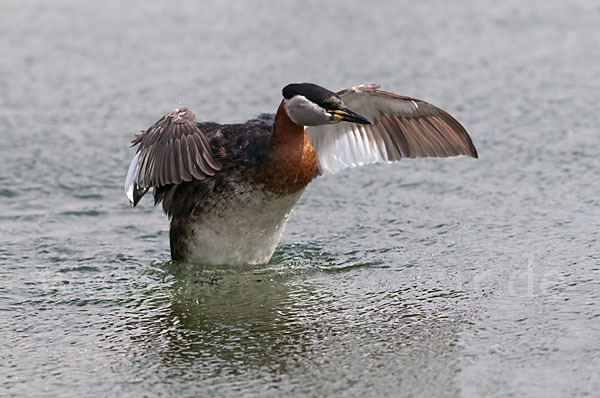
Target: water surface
{"type": "Point", "coordinates": [430, 277]}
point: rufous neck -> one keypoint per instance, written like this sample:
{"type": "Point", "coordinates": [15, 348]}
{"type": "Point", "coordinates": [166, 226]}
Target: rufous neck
{"type": "Point", "coordinates": [284, 126]}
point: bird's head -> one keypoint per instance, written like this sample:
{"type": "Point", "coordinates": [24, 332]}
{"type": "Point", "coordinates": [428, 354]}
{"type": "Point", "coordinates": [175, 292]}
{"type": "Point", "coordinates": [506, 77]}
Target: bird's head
{"type": "Point", "coordinates": [310, 105]}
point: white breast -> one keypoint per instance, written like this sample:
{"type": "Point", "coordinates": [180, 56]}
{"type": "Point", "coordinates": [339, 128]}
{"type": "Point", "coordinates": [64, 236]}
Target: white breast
{"type": "Point", "coordinates": [242, 227]}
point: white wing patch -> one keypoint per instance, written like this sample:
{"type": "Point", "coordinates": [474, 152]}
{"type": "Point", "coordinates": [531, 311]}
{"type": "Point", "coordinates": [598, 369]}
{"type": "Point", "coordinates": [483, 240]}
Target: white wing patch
{"type": "Point", "coordinates": [345, 145]}
{"type": "Point", "coordinates": [132, 177]}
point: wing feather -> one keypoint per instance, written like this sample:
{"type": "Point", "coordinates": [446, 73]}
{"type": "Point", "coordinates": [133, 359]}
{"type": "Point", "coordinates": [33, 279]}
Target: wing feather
{"type": "Point", "coordinates": [199, 170]}
{"type": "Point", "coordinates": [413, 144]}
{"type": "Point", "coordinates": [391, 146]}
{"type": "Point", "coordinates": [437, 140]}
{"type": "Point", "coordinates": [204, 147]}
{"type": "Point", "coordinates": [363, 148]}
{"type": "Point", "coordinates": [186, 162]}
{"type": "Point", "coordinates": [403, 127]}
{"type": "Point", "coordinates": [374, 139]}
{"type": "Point", "coordinates": [172, 150]}
{"type": "Point", "coordinates": [207, 165]}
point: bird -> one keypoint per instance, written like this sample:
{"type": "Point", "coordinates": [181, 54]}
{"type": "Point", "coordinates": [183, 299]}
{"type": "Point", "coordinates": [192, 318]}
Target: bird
{"type": "Point", "coordinates": [228, 189]}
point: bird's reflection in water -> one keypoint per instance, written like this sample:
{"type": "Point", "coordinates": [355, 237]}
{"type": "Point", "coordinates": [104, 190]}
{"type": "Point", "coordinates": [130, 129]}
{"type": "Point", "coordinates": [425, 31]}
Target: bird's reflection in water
{"type": "Point", "coordinates": [220, 319]}
{"type": "Point", "coordinates": [286, 319]}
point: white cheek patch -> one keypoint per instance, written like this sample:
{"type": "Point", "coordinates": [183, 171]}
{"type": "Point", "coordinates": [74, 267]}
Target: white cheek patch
{"type": "Point", "coordinates": [305, 112]}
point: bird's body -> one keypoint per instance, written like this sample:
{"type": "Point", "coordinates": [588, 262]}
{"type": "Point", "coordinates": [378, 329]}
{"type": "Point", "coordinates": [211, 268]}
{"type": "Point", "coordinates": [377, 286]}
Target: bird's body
{"type": "Point", "coordinates": [238, 215]}
{"type": "Point", "coordinates": [239, 222]}
{"type": "Point", "coordinates": [229, 189]}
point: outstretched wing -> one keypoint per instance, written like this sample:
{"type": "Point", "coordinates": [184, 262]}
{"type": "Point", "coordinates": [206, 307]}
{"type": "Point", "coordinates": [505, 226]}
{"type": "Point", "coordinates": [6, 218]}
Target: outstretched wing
{"type": "Point", "coordinates": [172, 150]}
{"type": "Point", "coordinates": [403, 127]}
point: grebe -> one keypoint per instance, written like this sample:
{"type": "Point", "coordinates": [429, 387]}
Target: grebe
{"type": "Point", "coordinates": [229, 189]}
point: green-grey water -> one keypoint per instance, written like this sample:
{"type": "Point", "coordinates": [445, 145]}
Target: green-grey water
{"type": "Point", "coordinates": [429, 277]}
